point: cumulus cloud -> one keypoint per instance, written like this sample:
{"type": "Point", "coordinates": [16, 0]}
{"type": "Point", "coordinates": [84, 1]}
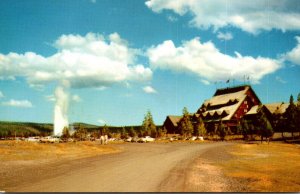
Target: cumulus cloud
{"type": "Point", "coordinates": [294, 54]}
{"type": "Point", "coordinates": [84, 61]}
{"type": "Point", "coordinates": [279, 79]}
{"type": "Point", "coordinates": [205, 82]}
{"type": "Point", "coordinates": [1, 95]}
{"type": "Point", "coordinates": [76, 98]}
{"type": "Point", "coordinates": [101, 121]}
{"type": "Point", "coordinates": [18, 103]}
{"type": "Point", "coordinates": [207, 62]}
{"type": "Point", "coordinates": [250, 16]}
{"type": "Point", "coordinates": [50, 98]}
{"type": "Point", "coordinates": [149, 90]}
{"type": "Point", "coordinates": [172, 18]}
{"type": "Point", "coordinates": [224, 36]}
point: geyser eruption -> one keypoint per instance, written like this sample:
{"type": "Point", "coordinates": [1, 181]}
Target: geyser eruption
{"type": "Point", "coordinates": [60, 110]}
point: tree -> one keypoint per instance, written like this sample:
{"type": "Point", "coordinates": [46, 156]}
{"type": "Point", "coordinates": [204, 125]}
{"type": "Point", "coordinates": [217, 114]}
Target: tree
{"type": "Point", "coordinates": [65, 133]}
{"type": "Point", "coordinates": [124, 134]}
{"type": "Point", "coordinates": [263, 126]}
{"type": "Point", "coordinates": [291, 116]}
{"type": "Point", "coordinates": [200, 129]}
{"type": "Point", "coordinates": [81, 133]}
{"type": "Point", "coordinates": [148, 127]}
{"type": "Point", "coordinates": [104, 130]}
{"type": "Point", "coordinates": [244, 128]}
{"type": "Point", "coordinates": [221, 131]}
{"type": "Point", "coordinates": [132, 132]}
{"type": "Point", "coordinates": [298, 113]}
{"type": "Point", "coordinates": [185, 125]}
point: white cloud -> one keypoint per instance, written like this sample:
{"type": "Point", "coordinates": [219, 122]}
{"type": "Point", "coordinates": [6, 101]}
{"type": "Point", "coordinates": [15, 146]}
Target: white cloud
{"type": "Point", "coordinates": [279, 79]}
{"type": "Point", "coordinates": [76, 98]}
{"type": "Point", "coordinates": [149, 90]}
{"type": "Point", "coordinates": [250, 16]}
{"type": "Point", "coordinates": [50, 98]}
{"type": "Point", "coordinates": [93, 1]}
{"type": "Point", "coordinates": [84, 61]}
{"type": "Point", "coordinates": [205, 82]}
{"type": "Point", "coordinates": [18, 103]}
{"type": "Point", "coordinates": [207, 62]}
{"type": "Point", "coordinates": [224, 36]}
{"type": "Point", "coordinates": [294, 54]}
{"type": "Point", "coordinates": [172, 18]}
{"type": "Point", "coordinates": [101, 121]}
{"type": "Point", "coordinates": [1, 95]}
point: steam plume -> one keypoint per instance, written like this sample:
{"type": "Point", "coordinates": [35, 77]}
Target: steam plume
{"type": "Point", "coordinates": [61, 110]}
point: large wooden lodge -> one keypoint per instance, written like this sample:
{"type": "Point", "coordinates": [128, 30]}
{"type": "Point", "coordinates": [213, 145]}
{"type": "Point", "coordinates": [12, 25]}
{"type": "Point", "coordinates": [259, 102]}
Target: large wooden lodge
{"type": "Point", "coordinates": [228, 105]}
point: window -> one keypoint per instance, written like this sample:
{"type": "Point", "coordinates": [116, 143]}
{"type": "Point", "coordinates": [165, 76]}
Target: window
{"type": "Point", "coordinates": [245, 110]}
{"type": "Point", "coordinates": [245, 102]}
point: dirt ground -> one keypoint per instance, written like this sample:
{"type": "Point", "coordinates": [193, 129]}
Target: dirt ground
{"type": "Point", "coordinates": [151, 167]}
{"type": "Point", "coordinates": [138, 167]}
{"type": "Point", "coordinates": [244, 167]}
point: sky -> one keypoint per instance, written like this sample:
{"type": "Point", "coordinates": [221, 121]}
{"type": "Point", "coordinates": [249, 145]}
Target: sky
{"type": "Point", "coordinates": [117, 59]}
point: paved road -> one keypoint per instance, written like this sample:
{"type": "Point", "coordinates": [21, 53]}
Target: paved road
{"type": "Point", "coordinates": [141, 167]}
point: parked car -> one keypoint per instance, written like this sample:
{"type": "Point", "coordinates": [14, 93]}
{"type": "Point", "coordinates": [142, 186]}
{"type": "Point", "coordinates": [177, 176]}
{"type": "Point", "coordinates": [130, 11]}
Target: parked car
{"type": "Point", "coordinates": [33, 139]}
{"type": "Point", "coordinates": [50, 139]}
{"type": "Point", "coordinates": [128, 139]}
{"type": "Point", "coordinates": [135, 139]}
{"type": "Point", "coordinates": [146, 139]}
{"type": "Point", "coordinates": [201, 138]}
{"type": "Point", "coordinates": [193, 138]}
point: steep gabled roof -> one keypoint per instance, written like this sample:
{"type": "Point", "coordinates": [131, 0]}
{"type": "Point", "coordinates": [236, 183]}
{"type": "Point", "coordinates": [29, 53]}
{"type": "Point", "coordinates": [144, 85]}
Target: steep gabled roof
{"type": "Point", "coordinates": [253, 110]}
{"type": "Point", "coordinates": [174, 119]}
{"type": "Point", "coordinates": [225, 98]}
{"type": "Point", "coordinates": [277, 108]}
{"type": "Point", "coordinates": [225, 102]}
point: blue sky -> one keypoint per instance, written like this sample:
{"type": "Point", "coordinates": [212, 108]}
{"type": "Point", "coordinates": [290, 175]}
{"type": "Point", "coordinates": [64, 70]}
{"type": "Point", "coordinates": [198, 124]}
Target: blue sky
{"type": "Point", "coordinates": [117, 59]}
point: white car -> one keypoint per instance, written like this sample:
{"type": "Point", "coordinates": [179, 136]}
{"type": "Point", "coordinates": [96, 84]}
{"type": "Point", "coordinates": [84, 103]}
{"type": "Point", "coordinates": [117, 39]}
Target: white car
{"type": "Point", "coordinates": [128, 139]}
{"type": "Point", "coordinates": [33, 139]}
{"type": "Point", "coordinates": [50, 139]}
{"type": "Point", "coordinates": [146, 139]}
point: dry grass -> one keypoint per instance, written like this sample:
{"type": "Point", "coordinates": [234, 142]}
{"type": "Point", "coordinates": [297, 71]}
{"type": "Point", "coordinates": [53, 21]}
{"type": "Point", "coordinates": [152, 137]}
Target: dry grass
{"type": "Point", "coordinates": [32, 151]}
{"type": "Point", "coordinates": [265, 168]}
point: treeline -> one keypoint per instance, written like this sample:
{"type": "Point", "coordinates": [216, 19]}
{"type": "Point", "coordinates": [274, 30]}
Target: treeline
{"type": "Point", "coordinates": [290, 120]}
{"type": "Point", "coordinates": [24, 129]}
{"type": "Point", "coordinates": [83, 130]}
{"type": "Point", "coordinates": [147, 128]}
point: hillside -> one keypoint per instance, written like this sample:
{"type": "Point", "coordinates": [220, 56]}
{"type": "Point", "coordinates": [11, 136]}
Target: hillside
{"type": "Point", "coordinates": [25, 129]}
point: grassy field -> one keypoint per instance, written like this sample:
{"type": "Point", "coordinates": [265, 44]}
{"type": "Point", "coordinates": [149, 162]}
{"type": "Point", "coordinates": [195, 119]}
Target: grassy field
{"type": "Point", "coordinates": [265, 168]}
{"type": "Point", "coordinates": [26, 151]}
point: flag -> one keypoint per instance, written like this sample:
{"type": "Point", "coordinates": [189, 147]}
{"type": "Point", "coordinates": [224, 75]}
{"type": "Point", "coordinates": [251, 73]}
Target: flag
{"type": "Point", "coordinates": [227, 81]}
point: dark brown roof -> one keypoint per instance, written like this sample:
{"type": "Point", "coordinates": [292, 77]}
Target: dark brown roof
{"type": "Point", "coordinates": [174, 119]}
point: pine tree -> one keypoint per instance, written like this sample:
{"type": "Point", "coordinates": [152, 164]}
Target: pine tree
{"type": "Point", "coordinates": [298, 113]}
{"type": "Point", "coordinates": [244, 129]}
{"type": "Point", "coordinates": [264, 127]}
{"type": "Point", "coordinates": [65, 133]}
{"type": "Point", "coordinates": [291, 116]}
{"type": "Point", "coordinates": [200, 129]}
{"type": "Point", "coordinates": [123, 133]}
{"type": "Point", "coordinates": [132, 132]}
{"type": "Point", "coordinates": [221, 131]}
{"type": "Point", "coordinates": [148, 126]}
{"type": "Point", "coordinates": [81, 133]}
{"type": "Point", "coordinates": [185, 125]}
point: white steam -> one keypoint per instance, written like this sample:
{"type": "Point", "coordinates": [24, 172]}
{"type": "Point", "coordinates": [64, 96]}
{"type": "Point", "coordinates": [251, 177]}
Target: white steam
{"type": "Point", "coordinates": [61, 110]}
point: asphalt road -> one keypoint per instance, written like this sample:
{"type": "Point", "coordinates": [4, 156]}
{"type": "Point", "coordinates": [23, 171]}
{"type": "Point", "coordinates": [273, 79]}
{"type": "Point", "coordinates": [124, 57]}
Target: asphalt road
{"type": "Point", "coordinates": [148, 167]}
